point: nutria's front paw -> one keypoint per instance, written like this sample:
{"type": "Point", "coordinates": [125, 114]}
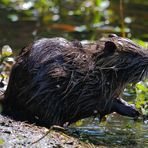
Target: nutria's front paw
{"type": "Point", "coordinates": [123, 108]}
{"type": "Point", "coordinates": [132, 112]}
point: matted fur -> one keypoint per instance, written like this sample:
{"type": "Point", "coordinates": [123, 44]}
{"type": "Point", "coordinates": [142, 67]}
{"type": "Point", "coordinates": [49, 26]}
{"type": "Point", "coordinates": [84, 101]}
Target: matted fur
{"type": "Point", "coordinates": [55, 81]}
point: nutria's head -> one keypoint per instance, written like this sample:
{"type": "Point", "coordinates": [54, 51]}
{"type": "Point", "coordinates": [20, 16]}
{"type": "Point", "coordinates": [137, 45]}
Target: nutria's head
{"type": "Point", "coordinates": [118, 62]}
{"type": "Point", "coordinates": [127, 61]}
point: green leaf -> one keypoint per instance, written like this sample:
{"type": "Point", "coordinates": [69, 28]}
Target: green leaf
{"type": "Point", "coordinates": [5, 2]}
{"type": "Point", "coordinates": [128, 125]}
{"type": "Point", "coordinates": [142, 87]}
{"type": "Point", "coordinates": [6, 51]}
{"type": "Point", "coordinates": [79, 123]}
{"type": "Point", "coordinates": [1, 141]}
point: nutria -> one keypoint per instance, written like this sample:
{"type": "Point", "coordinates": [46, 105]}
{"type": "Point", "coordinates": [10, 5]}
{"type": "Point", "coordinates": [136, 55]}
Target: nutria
{"type": "Point", "coordinates": [55, 81]}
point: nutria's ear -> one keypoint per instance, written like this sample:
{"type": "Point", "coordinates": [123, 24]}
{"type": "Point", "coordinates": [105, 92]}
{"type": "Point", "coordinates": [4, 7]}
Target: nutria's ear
{"type": "Point", "coordinates": [110, 47]}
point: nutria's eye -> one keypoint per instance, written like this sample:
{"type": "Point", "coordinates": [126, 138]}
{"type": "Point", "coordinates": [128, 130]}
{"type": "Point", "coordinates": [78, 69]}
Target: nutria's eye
{"type": "Point", "coordinates": [110, 47]}
{"type": "Point", "coordinates": [112, 35]}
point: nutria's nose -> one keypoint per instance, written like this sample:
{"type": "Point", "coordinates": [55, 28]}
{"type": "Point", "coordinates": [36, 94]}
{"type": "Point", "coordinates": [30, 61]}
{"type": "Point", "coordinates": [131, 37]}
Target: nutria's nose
{"type": "Point", "coordinates": [112, 35]}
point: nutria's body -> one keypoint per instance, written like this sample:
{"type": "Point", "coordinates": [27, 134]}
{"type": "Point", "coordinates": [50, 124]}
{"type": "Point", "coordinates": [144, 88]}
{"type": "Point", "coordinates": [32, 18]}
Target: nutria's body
{"type": "Point", "coordinates": [55, 81]}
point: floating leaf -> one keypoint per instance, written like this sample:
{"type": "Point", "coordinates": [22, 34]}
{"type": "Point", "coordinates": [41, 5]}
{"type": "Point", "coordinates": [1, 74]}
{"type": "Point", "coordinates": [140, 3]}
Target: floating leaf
{"type": "Point", "coordinates": [79, 123]}
{"type": "Point", "coordinates": [128, 125]}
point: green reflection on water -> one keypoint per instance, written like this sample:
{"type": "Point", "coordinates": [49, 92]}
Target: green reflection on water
{"type": "Point", "coordinates": [117, 131]}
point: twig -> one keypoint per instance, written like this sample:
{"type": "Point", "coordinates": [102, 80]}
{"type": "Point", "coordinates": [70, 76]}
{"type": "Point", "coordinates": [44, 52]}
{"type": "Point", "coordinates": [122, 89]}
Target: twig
{"type": "Point", "coordinates": [54, 127]}
{"type": "Point", "coordinates": [122, 18]}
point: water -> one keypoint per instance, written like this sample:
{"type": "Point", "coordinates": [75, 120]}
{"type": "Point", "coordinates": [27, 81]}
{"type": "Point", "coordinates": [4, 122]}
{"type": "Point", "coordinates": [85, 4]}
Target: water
{"type": "Point", "coordinates": [116, 131]}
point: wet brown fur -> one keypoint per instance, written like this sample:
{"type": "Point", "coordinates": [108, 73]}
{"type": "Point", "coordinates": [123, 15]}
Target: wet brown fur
{"type": "Point", "coordinates": [55, 81]}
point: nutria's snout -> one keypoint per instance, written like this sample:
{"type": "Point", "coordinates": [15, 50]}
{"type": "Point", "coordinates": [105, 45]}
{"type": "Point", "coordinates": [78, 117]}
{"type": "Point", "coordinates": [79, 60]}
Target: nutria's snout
{"type": "Point", "coordinates": [55, 81]}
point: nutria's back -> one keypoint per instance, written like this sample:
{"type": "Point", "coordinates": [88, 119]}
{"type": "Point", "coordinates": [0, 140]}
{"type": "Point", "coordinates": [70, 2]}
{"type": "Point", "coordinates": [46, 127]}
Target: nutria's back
{"type": "Point", "coordinates": [55, 81]}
